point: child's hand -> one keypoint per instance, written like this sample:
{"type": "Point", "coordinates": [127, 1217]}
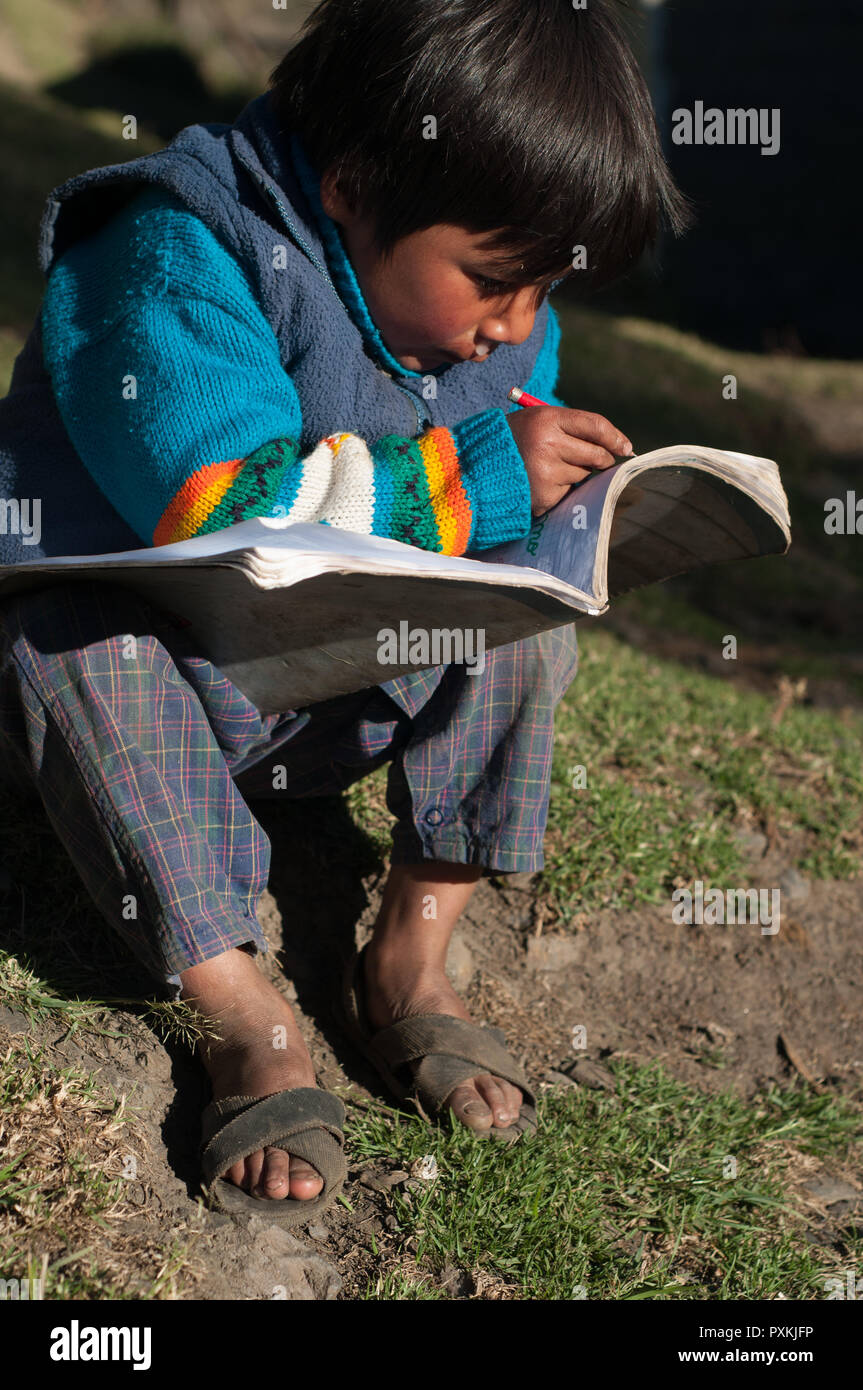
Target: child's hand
{"type": "Point", "coordinates": [560, 447]}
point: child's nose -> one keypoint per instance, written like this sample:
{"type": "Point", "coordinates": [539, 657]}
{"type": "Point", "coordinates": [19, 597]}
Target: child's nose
{"type": "Point", "coordinates": [514, 323]}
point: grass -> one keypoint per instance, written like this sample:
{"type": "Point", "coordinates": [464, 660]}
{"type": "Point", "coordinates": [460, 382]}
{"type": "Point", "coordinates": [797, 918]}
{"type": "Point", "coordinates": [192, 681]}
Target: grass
{"type": "Point", "coordinates": [48, 35]}
{"type": "Point", "coordinates": [23, 991]}
{"type": "Point", "coordinates": [675, 761]}
{"type": "Point", "coordinates": [620, 1196]}
{"type": "Point", "coordinates": [66, 1146]}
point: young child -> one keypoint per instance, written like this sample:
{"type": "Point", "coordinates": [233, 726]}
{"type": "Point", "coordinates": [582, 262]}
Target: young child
{"type": "Point", "coordinates": [318, 312]}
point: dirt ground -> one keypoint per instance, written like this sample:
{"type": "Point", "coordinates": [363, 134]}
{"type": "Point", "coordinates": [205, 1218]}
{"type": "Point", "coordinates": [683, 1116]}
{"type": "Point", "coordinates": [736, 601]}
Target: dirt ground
{"type": "Point", "coordinates": [765, 1008]}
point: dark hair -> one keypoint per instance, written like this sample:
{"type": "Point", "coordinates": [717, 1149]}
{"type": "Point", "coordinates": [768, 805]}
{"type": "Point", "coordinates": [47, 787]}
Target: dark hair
{"type": "Point", "coordinates": [545, 128]}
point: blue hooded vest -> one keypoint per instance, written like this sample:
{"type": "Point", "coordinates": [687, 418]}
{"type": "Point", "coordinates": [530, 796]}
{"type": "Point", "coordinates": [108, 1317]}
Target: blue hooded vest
{"type": "Point", "coordinates": [242, 181]}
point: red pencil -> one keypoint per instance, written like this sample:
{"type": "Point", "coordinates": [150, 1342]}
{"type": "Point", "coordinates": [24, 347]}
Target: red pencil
{"type": "Point", "coordinates": [524, 398]}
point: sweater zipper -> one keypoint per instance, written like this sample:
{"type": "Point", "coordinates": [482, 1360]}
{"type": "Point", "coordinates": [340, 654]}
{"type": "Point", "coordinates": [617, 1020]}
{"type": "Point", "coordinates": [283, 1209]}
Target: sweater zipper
{"type": "Point", "coordinates": [280, 207]}
{"type": "Point", "coordinates": [423, 419]}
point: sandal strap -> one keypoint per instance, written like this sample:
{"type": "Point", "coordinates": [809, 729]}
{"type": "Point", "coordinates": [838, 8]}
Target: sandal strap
{"type": "Point", "coordinates": [459, 1049]}
{"type": "Point", "coordinates": [306, 1121]}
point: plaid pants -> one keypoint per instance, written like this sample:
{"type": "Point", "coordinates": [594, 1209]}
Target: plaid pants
{"type": "Point", "coordinates": [143, 753]}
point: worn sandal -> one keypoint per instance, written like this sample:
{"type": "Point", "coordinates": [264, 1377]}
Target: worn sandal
{"type": "Point", "coordinates": [423, 1059]}
{"type": "Point", "coordinates": [305, 1121]}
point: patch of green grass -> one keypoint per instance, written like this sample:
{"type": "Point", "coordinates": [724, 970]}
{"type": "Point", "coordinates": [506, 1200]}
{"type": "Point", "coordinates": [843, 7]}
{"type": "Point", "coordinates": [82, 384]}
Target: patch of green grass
{"type": "Point", "coordinates": [366, 802]}
{"type": "Point", "coordinates": [48, 35]}
{"type": "Point", "coordinates": [773, 373]}
{"type": "Point", "coordinates": [395, 1287]}
{"type": "Point", "coordinates": [665, 609]}
{"type": "Point", "coordinates": [673, 759]}
{"type": "Point", "coordinates": [64, 1144]}
{"type": "Point", "coordinates": [625, 1196]}
{"type": "Point", "coordinates": [22, 990]}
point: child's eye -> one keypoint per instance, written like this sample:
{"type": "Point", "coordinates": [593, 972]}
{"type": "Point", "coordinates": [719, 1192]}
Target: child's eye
{"type": "Point", "coordinates": [491, 287]}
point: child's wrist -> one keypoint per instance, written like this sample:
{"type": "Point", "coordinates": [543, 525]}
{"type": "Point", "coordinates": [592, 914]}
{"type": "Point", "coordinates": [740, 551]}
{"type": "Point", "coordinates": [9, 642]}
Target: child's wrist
{"type": "Point", "coordinates": [495, 479]}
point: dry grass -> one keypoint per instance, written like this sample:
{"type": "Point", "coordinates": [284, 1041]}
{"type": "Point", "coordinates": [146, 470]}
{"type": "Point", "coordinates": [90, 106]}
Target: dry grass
{"type": "Point", "coordinates": [75, 1210]}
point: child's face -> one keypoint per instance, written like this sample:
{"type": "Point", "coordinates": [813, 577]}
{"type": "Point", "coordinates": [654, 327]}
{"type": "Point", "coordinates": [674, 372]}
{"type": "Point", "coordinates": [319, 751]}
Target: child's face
{"type": "Point", "coordinates": [430, 298]}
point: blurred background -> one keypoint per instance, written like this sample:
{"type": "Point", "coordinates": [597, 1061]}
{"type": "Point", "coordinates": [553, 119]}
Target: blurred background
{"type": "Point", "coordinates": [762, 288]}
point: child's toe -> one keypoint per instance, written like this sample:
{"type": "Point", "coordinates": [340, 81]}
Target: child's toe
{"type": "Point", "coordinates": [503, 1099]}
{"type": "Point", "coordinates": [470, 1107]}
{"type": "Point", "coordinates": [275, 1176]}
{"type": "Point", "coordinates": [306, 1181]}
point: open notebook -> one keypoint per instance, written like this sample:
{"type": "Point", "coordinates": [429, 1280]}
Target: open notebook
{"type": "Point", "coordinates": [293, 614]}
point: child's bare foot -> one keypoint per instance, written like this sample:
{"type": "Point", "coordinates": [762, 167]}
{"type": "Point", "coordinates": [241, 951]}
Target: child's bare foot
{"type": "Point", "coordinates": [404, 974]}
{"type": "Point", "coordinates": [396, 989]}
{"type": "Point", "coordinates": [247, 1010]}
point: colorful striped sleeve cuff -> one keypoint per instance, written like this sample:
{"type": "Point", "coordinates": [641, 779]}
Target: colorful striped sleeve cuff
{"type": "Point", "coordinates": [222, 494]}
{"type": "Point", "coordinates": [448, 491]}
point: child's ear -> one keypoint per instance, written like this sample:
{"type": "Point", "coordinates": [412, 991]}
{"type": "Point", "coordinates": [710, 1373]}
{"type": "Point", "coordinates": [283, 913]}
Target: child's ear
{"type": "Point", "coordinates": [333, 201]}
